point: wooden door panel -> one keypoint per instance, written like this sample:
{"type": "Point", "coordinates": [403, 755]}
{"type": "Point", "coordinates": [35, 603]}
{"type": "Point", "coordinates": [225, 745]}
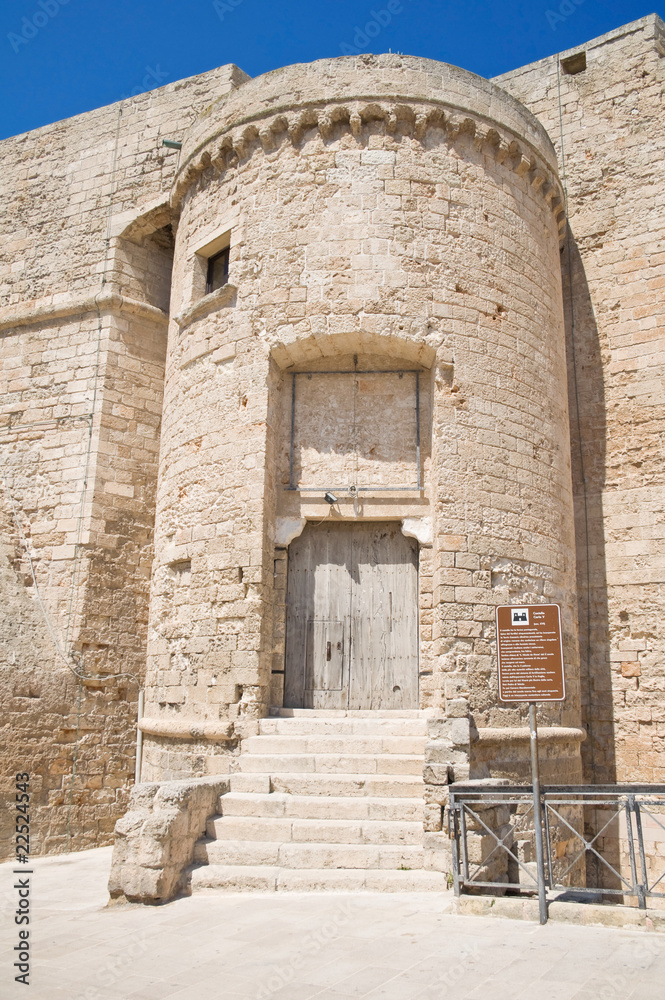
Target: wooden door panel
{"type": "Point", "coordinates": [324, 667]}
{"type": "Point", "coordinates": [354, 586]}
{"type": "Point", "coordinates": [384, 632]}
{"type": "Point", "coordinates": [325, 678]}
{"type": "Point", "coordinates": [317, 591]}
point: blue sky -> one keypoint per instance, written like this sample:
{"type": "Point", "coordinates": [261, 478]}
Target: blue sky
{"type": "Point", "coordinates": [62, 57]}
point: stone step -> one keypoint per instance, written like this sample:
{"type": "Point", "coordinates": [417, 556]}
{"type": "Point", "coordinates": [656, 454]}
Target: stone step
{"type": "Point", "coordinates": [330, 763]}
{"type": "Point", "coordinates": [344, 726]}
{"type": "Point", "coordinates": [254, 783]}
{"type": "Point", "coordinates": [315, 855]}
{"type": "Point", "coordinates": [261, 878]}
{"type": "Point", "coordinates": [322, 743]}
{"type": "Point", "coordinates": [324, 801]}
{"type": "Point", "coordinates": [276, 804]}
{"type": "Point", "coordinates": [346, 713]}
{"type": "Point", "coordinates": [377, 785]}
{"type": "Point", "coordinates": [333, 831]}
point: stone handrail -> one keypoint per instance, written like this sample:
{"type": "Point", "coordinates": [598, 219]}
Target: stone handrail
{"type": "Point", "coordinates": [154, 840]}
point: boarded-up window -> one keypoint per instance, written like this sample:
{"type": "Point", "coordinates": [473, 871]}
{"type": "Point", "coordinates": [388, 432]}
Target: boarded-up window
{"type": "Point", "coordinates": [355, 427]}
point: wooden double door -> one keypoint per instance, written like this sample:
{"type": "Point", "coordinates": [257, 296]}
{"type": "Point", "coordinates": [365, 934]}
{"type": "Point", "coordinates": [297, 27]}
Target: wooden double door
{"type": "Point", "coordinates": [352, 618]}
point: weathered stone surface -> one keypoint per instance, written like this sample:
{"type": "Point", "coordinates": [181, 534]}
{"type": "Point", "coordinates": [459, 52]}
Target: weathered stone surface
{"type": "Point", "coordinates": [589, 915]}
{"type": "Point", "coordinates": [382, 212]}
{"type": "Point", "coordinates": [82, 372]}
{"type": "Point", "coordinates": [611, 134]}
{"type": "Point", "coordinates": [154, 841]}
{"type": "Point", "coordinates": [437, 774]}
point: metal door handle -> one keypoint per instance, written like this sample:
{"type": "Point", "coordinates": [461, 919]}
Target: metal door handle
{"type": "Point", "coordinates": [327, 651]}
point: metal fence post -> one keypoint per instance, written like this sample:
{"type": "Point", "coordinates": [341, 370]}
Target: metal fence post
{"type": "Point", "coordinates": [548, 843]}
{"type": "Point", "coordinates": [537, 820]}
{"type": "Point", "coordinates": [644, 887]}
{"type": "Point", "coordinates": [454, 834]}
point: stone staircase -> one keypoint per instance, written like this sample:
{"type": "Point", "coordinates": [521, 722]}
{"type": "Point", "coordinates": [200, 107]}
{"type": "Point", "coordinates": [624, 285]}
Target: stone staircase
{"type": "Point", "coordinates": [323, 800]}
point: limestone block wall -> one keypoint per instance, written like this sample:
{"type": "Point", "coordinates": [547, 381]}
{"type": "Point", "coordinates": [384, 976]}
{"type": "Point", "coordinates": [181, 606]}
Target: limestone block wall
{"type": "Point", "coordinates": [78, 491]}
{"type": "Point", "coordinates": [385, 211]}
{"type": "Point", "coordinates": [392, 209]}
{"type": "Point", "coordinates": [84, 296]}
{"type": "Point", "coordinates": [606, 121]}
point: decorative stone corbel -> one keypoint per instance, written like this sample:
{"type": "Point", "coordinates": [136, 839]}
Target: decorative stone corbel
{"type": "Point", "coordinates": [288, 528]}
{"type": "Point", "coordinates": [419, 528]}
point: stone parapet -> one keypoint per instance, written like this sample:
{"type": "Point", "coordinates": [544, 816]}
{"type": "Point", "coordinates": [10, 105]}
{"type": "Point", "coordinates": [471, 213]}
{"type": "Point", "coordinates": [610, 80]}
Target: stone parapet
{"type": "Point", "coordinates": [407, 94]}
{"type": "Point", "coordinates": [505, 753]}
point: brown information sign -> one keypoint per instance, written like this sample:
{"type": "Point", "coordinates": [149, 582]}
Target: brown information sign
{"type": "Point", "coordinates": [530, 653]}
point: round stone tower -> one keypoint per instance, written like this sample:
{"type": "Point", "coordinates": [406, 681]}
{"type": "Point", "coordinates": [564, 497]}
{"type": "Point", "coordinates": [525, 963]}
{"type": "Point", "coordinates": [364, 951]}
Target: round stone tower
{"type": "Point", "coordinates": [366, 303]}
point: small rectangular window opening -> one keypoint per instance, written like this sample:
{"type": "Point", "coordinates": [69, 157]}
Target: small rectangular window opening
{"type": "Point", "coordinates": [218, 271]}
{"type": "Point", "coordinates": [574, 64]}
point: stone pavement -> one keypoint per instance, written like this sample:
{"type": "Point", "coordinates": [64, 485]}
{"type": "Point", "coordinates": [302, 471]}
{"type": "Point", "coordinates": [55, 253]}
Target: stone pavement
{"type": "Point", "coordinates": [337, 946]}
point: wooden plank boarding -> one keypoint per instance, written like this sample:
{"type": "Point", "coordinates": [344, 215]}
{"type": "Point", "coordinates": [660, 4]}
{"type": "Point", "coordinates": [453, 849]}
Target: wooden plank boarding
{"type": "Point", "coordinates": [384, 627]}
{"type": "Point", "coordinates": [317, 610]}
{"type": "Point", "coordinates": [530, 653]}
{"type": "Point", "coordinates": [352, 618]}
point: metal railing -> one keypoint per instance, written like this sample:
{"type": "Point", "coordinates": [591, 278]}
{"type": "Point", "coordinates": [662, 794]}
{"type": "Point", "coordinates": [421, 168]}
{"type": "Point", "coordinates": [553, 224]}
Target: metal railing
{"type": "Point", "coordinates": [603, 841]}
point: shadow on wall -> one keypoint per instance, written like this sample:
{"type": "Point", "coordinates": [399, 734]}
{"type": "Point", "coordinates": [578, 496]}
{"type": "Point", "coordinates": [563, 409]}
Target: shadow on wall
{"type": "Point", "coordinates": [37, 695]}
{"type": "Point", "coordinates": [588, 431]}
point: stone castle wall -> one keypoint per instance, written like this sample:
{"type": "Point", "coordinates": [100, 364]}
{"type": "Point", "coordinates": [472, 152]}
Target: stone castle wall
{"type": "Point", "coordinates": [83, 338]}
{"type": "Point", "coordinates": [411, 231]}
{"type": "Point", "coordinates": [612, 136]}
{"type": "Point", "coordinates": [383, 211]}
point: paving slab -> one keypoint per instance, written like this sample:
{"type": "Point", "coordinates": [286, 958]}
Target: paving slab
{"type": "Point", "coordinates": [304, 946]}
